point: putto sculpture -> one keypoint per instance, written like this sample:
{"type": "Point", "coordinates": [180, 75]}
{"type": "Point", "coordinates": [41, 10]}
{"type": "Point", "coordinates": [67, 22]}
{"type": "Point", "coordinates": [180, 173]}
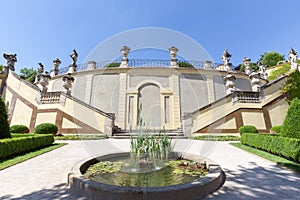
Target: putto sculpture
{"type": "Point", "coordinates": [247, 63]}
{"type": "Point", "coordinates": [293, 58]}
{"type": "Point", "coordinates": [42, 79]}
{"type": "Point", "coordinates": [11, 59]}
{"type": "Point", "coordinates": [262, 69]}
{"type": "Point", "coordinates": [55, 69]}
{"type": "Point", "coordinates": [226, 58]}
{"type": "Point", "coordinates": [73, 66]}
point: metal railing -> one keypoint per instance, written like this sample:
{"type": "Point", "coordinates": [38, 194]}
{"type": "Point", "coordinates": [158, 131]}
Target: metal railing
{"type": "Point", "coordinates": [246, 96]}
{"type": "Point", "coordinates": [143, 63]}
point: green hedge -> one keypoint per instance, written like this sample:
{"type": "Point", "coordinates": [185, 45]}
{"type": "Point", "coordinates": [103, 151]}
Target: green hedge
{"type": "Point", "coordinates": [247, 129]}
{"type": "Point", "coordinates": [46, 128]}
{"type": "Point", "coordinates": [282, 146]}
{"type": "Point", "coordinates": [19, 129]}
{"type": "Point", "coordinates": [20, 145]}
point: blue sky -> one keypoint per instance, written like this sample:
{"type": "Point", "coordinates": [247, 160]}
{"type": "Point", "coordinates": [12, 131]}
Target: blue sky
{"type": "Point", "coordinates": [40, 31]}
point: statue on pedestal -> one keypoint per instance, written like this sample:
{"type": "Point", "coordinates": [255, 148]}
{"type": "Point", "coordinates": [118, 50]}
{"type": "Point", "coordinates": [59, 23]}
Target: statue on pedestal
{"type": "Point", "coordinates": [226, 58]}
{"type": "Point", "coordinates": [247, 63]}
{"type": "Point", "coordinates": [55, 69]}
{"type": "Point", "coordinates": [125, 51]}
{"type": "Point", "coordinates": [293, 58]}
{"type": "Point", "coordinates": [11, 59]}
{"type": "Point", "coordinates": [73, 66]}
{"type": "Point", "coordinates": [262, 69]}
{"type": "Point", "coordinates": [173, 54]}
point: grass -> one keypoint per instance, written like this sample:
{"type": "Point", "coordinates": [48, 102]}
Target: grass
{"type": "Point", "coordinates": [18, 159]}
{"type": "Point", "coordinates": [274, 158]}
{"type": "Point", "coordinates": [217, 137]}
{"type": "Point", "coordinates": [81, 137]}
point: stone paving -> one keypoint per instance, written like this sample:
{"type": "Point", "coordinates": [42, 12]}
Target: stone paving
{"type": "Point", "coordinates": [248, 176]}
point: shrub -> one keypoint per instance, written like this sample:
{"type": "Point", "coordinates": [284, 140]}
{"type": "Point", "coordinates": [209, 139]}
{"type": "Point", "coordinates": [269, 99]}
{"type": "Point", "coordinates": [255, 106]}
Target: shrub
{"type": "Point", "coordinates": [248, 129]}
{"type": "Point", "coordinates": [283, 68]}
{"type": "Point", "coordinates": [185, 64]}
{"type": "Point", "coordinates": [46, 128]}
{"type": "Point", "coordinates": [272, 58]}
{"type": "Point", "coordinates": [292, 87]}
{"type": "Point", "coordinates": [114, 64]}
{"type": "Point", "coordinates": [20, 145]}
{"type": "Point", "coordinates": [282, 146]}
{"type": "Point", "coordinates": [4, 126]}
{"type": "Point", "coordinates": [19, 129]}
{"type": "Point", "coordinates": [291, 127]}
{"type": "Point", "coordinates": [276, 129]}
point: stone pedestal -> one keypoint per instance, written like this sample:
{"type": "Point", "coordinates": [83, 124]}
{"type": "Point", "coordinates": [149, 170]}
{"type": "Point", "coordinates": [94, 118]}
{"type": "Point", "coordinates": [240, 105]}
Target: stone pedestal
{"type": "Point", "coordinates": [91, 65]}
{"type": "Point", "coordinates": [229, 83]}
{"type": "Point", "coordinates": [255, 81]}
{"type": "Point", "coordinates": [125, 51]}
{"type": "Point", "coordinates": [208, 65]}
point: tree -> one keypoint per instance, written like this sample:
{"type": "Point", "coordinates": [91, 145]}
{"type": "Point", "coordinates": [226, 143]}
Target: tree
{"type": "Point", "coordinates": [185, 64]}
{"type": "Point", "coordinates": [4, 126]}
{"type": "Point", "coordinates": [28, 73]}
{"type": "Point", "coordinates": [292, 87]}
{"type": "Point", "coordinates": [252, 65]}
{"type": "Point", "coordinates": [291, 127]}
{"type": "Point", "coordinates": [272, 58]}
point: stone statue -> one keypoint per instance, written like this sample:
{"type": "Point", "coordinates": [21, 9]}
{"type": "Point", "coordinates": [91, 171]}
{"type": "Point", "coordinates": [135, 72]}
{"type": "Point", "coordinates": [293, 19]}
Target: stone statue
{"type": "Point", "coordinates": [38, 76]}
{"type": "Point", "coordinates": [67, 83]}
{"type": "Point", "coordinates": [229, 83]}
{"type": "Point", "coordinates": [55, 69]}
{"type": "Point", "coordinates": [255, 81]}
{"type": "Point", "coordinates": [262, 69]}
{"type": "Point", "coordinates": [226, 58]}
{"type": "Point", "coordinates": [293, 58]}
{"type": "Point", "coordinates": [173, 54]}
{"type": "Point", "coordinates": [73, 66]}
{"type": "Point", "coordinates": [11, 59]}
{"type": "Point", "coordinates": [125, 51]}
{"type": "Point", "coordinates": [247, 63]}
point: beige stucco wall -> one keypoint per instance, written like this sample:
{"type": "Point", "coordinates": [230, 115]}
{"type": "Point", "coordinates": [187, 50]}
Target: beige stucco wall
{"type": "Point", "coordinates": [45, 118]}
{"type": "Point", "coordinates": [255, 119]}
{"type": "Point", "coordinates": [278, 112]}
{"type": "Point", "coordinates": [22, 114]}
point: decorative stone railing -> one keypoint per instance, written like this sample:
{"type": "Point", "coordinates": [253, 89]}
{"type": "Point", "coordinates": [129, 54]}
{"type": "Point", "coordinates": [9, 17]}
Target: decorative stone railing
{"type": "Point", "coordinates": [143, 63]}
{"type": "Point", "coordinates": [246, 96]}
{"type": "Point", "coordinates": [49, 98]}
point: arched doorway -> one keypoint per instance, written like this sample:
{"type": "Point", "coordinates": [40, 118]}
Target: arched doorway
{"type": "Point", "coordinates": [149, 106]}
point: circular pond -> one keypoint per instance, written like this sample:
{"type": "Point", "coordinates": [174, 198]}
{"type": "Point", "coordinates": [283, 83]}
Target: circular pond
{"type": "Point", "coordinates": [172, 179]}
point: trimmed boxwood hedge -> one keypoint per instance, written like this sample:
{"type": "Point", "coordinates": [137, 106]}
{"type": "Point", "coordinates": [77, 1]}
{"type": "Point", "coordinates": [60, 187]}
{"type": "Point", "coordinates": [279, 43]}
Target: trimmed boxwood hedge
{"type": "Point", "coordinates": [248, 129]}
{"type": "Point", "coordinates": [19, 129]}
{"type": "Point", "coordinates": [46, 128]}
{"type": "Point", "coordinates": [20, 145]}
{"type": "Point", "coordinates": [282, 146]}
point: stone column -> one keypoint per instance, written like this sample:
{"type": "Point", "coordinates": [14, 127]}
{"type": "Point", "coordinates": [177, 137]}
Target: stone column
{"type": "Point", "coordinates": [55, 70]}
{"type": "Point", "coordinates": [125, 51]}
{"type": "Point", "coordinates": [91, 65]}
{"type": "Point", "coordinates": [210, 88]}
{"type": "Point", "coordinates": [121, 122]}
{"type": "Point", "coordinates": [67, 83]}
{"type": "Point", "coordinates": [173, 61]}
{"type": "Point", "coordinates": [229, 83]}
{"type": "Point", "coordinates": [255, 81]}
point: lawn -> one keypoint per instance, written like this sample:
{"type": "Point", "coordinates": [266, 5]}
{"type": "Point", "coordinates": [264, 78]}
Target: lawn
{"type": "Point", "coordinates": [217, 137]}
{"type": "Point", "coordinates": [277, 159]}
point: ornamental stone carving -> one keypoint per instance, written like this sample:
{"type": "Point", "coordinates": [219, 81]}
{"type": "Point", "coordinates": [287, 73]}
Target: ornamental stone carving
{"type": "Point", "coordinates": [11, 59]}
{"type": "Point", "coordinates": [247, 63]}
{"type": "Point", "coordinates": [55, 69]}
{"type": "Point", "coordinates": [73, 66]}
{"type": "Point", "coordinates": [255, 81]}
{"type": "Point", "coordinates": [229, 83]}
{"type": "Point", "coordinates": [293, 58]}
{"type": "Point", "coordinates": [173, 54]}
{"type": "Point", "coordinates": [125, 51]}
{"type": "Point", "coordinates": [226, 58]}
{"type": "Point", "coordinates": [67, 83]}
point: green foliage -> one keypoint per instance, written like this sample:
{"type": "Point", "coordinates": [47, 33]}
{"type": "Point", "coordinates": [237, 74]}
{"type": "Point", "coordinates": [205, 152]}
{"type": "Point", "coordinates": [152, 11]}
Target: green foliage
{"type": "Point", "coordinates": [19, 145]}
{"type": "Point", "coordinates": [272, 58]}
{"type": "Point", "coordinates": [80, 137]}
{"type": "Point", "coordinates": [185, 64]}
{"type": "Point", "coordinates": [114, 64]}
{"type": "Point", "coordinates": [4, 126]}
{"type": "Point", "coordinates": [1, 67]}
{"type": "Point", "coordinates": [282, 146]}
{"type": "Point", "coordinates": [46, 128]}
{"type": "Point", "coordinates": [188, 167]}
{"type": "Point", "coordinates": [19, 129]}
{"type": "Point", "coordinates": [156, 146]}
{"type": "Point", "coordinates": [217, 137]}
{"type": "Point", "coordinates": [292, 87]}
{"type": "Point", "coordinates": [283, 68]}
{"type": "Point", "coordinates": [103, 167]}
{"type": "Point", "coordinates": [248, 129]}
{"type": "Point", "coordinates": [28, 73]}
{"type": "Point", "coordinates": [252, 65]}
{"type": "Point", "coordinates": [276, 129]}
{"type": "Point", "coordinates": [291, 126]}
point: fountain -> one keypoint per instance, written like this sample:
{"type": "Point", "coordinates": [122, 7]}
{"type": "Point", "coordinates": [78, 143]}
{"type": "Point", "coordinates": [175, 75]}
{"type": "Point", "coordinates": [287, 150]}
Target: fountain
{"type": "Point", "coordinates": [151, 170]}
